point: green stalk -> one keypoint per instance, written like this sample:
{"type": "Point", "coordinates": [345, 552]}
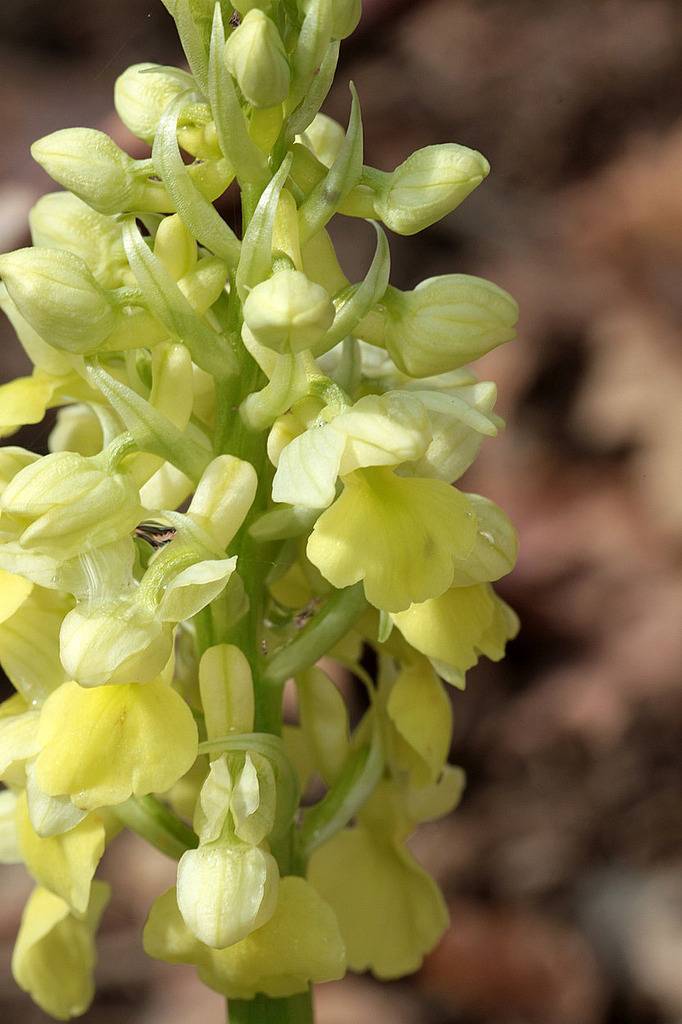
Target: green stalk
{"type": "Point", "coordinates": [294, 1010]}
{"type": "Point", "coordinates": [234, 437]}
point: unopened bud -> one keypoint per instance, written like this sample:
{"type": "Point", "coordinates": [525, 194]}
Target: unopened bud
{"type": "Point", "coordinates": [346, 15]}
{"type": "Point", "coordinates": [77, 430]}
{"type": "Point", "coordinates": [64, 504]}
{"type": "Point", "coordinates": [61, 220]}
{"type": "Point", "coordinates": [57, 294]}
{"type": "Point", "coordinates": [141, 94]}
{"type": "Point", "coordinates": [204, 285]}
{"type": "Point", "coordinates": [175, 246]}
{"type": "Point", "coordinates": [256, 57]}
{"type": "Point", "coordinates": [447, 322]}
{"type": "Point", "coordinates": [89, 164]}
{"type": "Point", "coordinates": [223, 497]}
{"type": "Point", "coordinates": [226, 891]}
{"type": "Point", "coordinates": [428, 185]}
{"type": "Point", "coordinates": [288, 312]}
{"type": "Point", "coordinates": [324, 137]}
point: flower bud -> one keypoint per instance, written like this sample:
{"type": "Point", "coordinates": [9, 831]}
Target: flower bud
{"type": "Point", "coordinates": [346, 15]}
{"type": "Point", "coordinates": [288, 312]}
{"type": "Point", "coordinates": [89, 164]}
{"type": "Point", "coordinates": [141, 94]}
{"type": "Point", "coordinates": [205, 283]}
{"type": "Point", "coordinates": [77, 430]}
{"type": "Point", "coordinates": [54, 955]}
{"type": "Point", "coordinates": [59, 297]}
{"type": "Point", "coordinates": [175, 246]}
{"type": "Point", "coordinates": [114, 643]}
{"type": "Point", "coordinates": [447, 322]}
{"type": "Point", "coordinates": [255, 56]}
{"type": "Point", "coordinates": [61, 220]}
{"type": "Point", "coordinates": [12, 461]}
{"type": "Point", "coordinates": [226, 892]}
{"type": "Point", "coordinates": [223, 497]}
{"type": "Point", "coordinates": [64, 503]}
{"type": "Point", "coordinates": [428, 185]}
{"type": "Point", "coordinates": [324, 137]}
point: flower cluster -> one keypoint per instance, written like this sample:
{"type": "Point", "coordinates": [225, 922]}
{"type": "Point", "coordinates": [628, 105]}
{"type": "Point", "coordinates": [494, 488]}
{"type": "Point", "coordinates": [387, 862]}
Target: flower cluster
{"type": "Point", "coordinates": [253, 466]}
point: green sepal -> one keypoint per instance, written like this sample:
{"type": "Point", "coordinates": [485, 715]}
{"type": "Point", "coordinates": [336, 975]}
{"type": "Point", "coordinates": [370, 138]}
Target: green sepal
{"type": "Point", "coordinates": [316, 95]}
{"type": "Point", "coordinates": [353, 787]}
{"type": "Point", "coordinates": [255, 263]}
{"type": "Point", "coordinates": [196, 211]}
{"type": "Point", "coordinates": [153, 432]}
{"type": "Point", "coordinates": [231, 126]}
{"type": "Point", "coordinates": [210, 350]}
{"type": "Point", "coordinates": [311, 46]}
{"type": "Point", "coordinates": [190, 39]}
{"type": "Point", "coordinates": [368, 293]}
{"type": "Point", "coordinates": [344, 174]}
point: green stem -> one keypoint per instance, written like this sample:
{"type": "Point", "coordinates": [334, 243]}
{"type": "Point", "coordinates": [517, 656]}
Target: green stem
{"type": "Point", "coordinates": [261, 1010]}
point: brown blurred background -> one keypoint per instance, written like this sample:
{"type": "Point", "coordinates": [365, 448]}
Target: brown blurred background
{"type": "Point", "coordinates": [563, 867]}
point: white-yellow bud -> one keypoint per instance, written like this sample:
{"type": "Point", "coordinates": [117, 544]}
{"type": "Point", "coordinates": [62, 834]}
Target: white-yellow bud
{"type": "Point", "coordinates": [61, 220]}
{"type": "Point", "coordinates": [447, 322]}
{"type": "Point", "coordinates": [89, 164]}
{"type": "Point", "coordinates": [324, 137]}
{"type": "Point", "coordinates": [63, 504]}
{"type": "Point", "coordinates": [428, 185]}
{"type": "Point", "coordinates": [288, 312]}
{"type": "Point", "coordinates": [141, 94]}
{"type": "Point", "coordinates": [255, 56]}
{"type": "Point", "coordinates": [58, 296]}
{"type": "Point", "coordinates": [225, 892]}
{"type": "Point", "coordinates": [346, 15]}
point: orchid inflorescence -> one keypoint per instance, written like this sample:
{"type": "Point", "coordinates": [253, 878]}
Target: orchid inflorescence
{"type": "Point", "coordinates": [251, 470]}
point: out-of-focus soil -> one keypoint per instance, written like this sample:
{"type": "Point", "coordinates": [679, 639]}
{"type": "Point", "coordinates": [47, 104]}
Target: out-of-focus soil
{"type": "Point", "coordinates": [563, 866]}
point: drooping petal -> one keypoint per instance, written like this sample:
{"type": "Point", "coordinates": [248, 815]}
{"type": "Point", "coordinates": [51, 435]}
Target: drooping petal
{"type": "Point", "coordinates": [400, 536]}
{"type": "Point", "coordinates": [300, 945]}
{"type": "Point", "coordinates": [64, 864]}
{"type": "Point", "coordinates": [54, 955]}
{"type": "Point", "coordinates": [390, 912]}
{"type": "Point", "coordinates": [100, 746]}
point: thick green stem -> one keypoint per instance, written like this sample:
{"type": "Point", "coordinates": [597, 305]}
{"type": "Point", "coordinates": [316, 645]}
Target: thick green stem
{"type": "Point", "coordinates": [295, 1010]}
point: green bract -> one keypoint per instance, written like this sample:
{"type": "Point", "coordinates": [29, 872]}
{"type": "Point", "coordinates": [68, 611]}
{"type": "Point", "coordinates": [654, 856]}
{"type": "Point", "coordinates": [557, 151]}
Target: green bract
{"type": "Point", "coordinates": [251, 469]}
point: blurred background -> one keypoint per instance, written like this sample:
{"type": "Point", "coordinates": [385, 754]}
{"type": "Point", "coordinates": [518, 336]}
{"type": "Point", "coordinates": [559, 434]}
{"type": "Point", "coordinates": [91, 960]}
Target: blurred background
{"type": "Point", "coordinates": [563, 866]}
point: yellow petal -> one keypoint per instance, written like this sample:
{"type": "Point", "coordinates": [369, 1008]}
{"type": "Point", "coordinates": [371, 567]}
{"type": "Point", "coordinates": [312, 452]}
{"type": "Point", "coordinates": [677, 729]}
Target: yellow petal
{"type": "Point", "coordinates": [13, 592]}
{"type": "Point", "coordinates": [18, 740]}
{"type": "Point", "coordinates": [64, 864]}
{"type": "Point", "coordinates": [421, 712]}
{"type": "Point", "coordinates": [103, 745]}
{"type": "Point", "coordinates": [401, 536]}
{"type": "Point", "coordinates": [391, 913]}
{"type": "Point", "coordinates": [24, 400]}
{"type": "Point", "coordinates": [299, 945]}
{"type": "Point", "coordinates": [29, 644]}
{"type": "Point", "coordinates": [54, 955]}
{"type": "Point", "coordinates": [324, 720]}
{"type": "Point", "coordinates": [448, 628]}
